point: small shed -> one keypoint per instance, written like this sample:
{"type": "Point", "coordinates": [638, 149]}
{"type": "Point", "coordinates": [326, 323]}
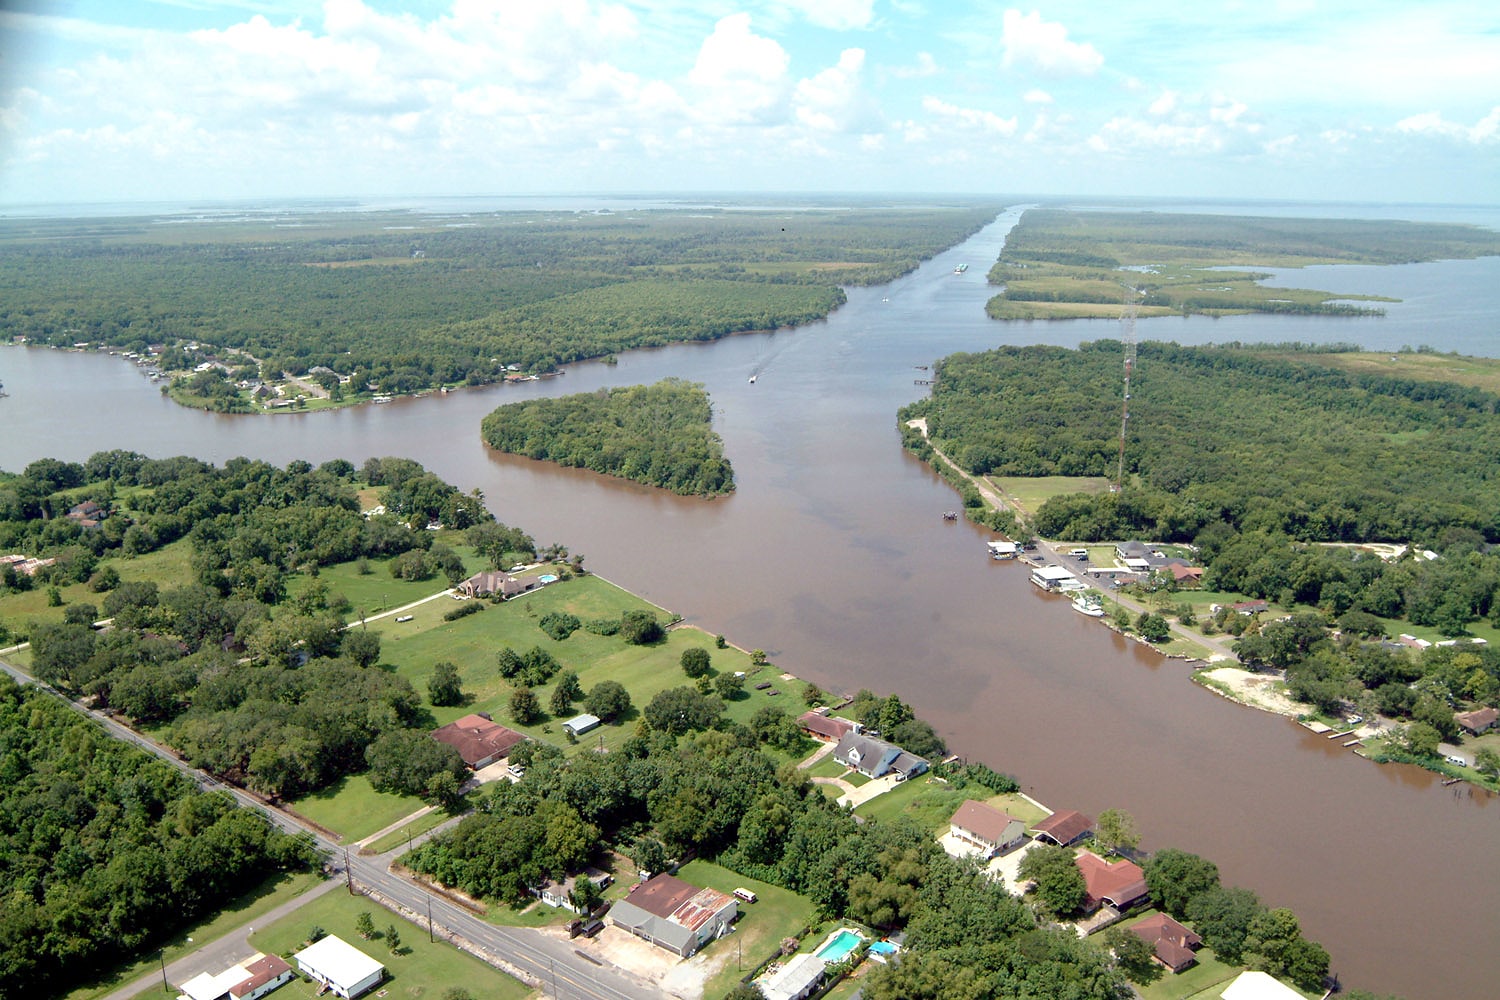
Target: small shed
{"type": "Point", "coordinates": [582, 724]}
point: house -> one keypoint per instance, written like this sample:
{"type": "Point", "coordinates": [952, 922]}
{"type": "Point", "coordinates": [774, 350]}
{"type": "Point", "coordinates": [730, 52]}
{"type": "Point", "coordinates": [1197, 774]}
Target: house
{"type": "Point", "coordinates": [875, 758]}
{"type": "Point", "coordinates": [479, 740]}
{"type": "Point", "coordinates": [1412, 642]}
{"type": "Point", "coordinates": [675, 915]}
{"type": "Point", "coordinates": [88, 514]}
{"type": "Point", "coordinates": [340, 966]}
{"type": "Point", "coordinates": [1173, 943]}
{"type": "Point", "coordinates": [249, 980]}
{"type": "Point", "coordinates": [1127, 551]}
{"type": "Point", "coordinates": [560, 894]}
{"type": "Point", "coordinates": [1052, 577]}
{"type": "Point", "coordinates": [796, 980]}
{"type": "Point", "coordinates": [1004, 549]}
{"type": "Point", "coordinates": [1249, 607]}
{"type": "Point", "coordinates": [582, 724]}
{"type": "Point", "coordinates": [1063, 828]}
{"type": "Point", "coordinates": [1120, 884]}
{"type": "Point", "coordinates": [829, 728]}
{"type": "Point", "coordinates": [1183, 573]}
{"type": "Point", "coordinates": [1478, 721]}
{"type": "Point", "coordinates": [1258, 986]}
{"type": "Point", "coordinates": [495, 582]}
{"type": "Point", "coordinates": [986, 828]}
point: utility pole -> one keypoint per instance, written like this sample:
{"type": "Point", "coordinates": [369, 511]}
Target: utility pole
{"type": "Point", "coordinates": [430, 936]}
{"type": "Point", "coordinates": [348, 874]}
{"type": "Point", "coordinates": [164, 987]}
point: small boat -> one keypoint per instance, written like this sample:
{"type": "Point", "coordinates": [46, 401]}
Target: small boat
{"type": "Point", "coordinates": [753, 378]}
{"type": "Point", "coordinates": [960, 269]}
{"type": "Point", "coordinates": [1089, 605]}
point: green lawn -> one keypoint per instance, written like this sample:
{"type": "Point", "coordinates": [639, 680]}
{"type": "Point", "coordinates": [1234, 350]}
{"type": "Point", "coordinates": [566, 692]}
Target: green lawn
{"type": "Point", "coordinates": [1032, 491]}
{"type": "Point", "coordinates": [415, 828]}
{"type": "Point", "coordinates": [776, 914]}
{"type": "Point", "coordinates": [167, 565]}
{"type": "Point", "coordinates": [826, 768]}
{"type": "Point", "coordinates": [418, 969]}
{"type": "Point", "coordinates": [926, 801]}
{"type": "Point", "coordinates": [265, 897]}
{"type": "Point", "coordinates": [352, 808]}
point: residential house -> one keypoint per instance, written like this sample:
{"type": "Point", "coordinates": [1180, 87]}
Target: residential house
{"type": "Point", "coordinates": [87, 514]}
{"type": "Point", "coordinates": [675, 915]}
{"type": "Point", "coordinates": [1063, 828]}
{"type": "Point", "coordinates": [249, 980]}
{"type": "Point", "coordinates": [798, 979]}
{"type": "Point", "coordinates": [1120, 884]}
{"type": "Point", "coordinates": [875, 758]}
{"type": "Point", "coordinates": [986, 828]}
{"type": "Point", "coordinates": [479, 739]}
{"type": "Point", "coordinates": [1249, 607]}
{"type": "Point", "coordinates": [490, 582]}
{"type": "Point", "coordinates": [560, 894]}
{"type": "Point", "coordinates": [1173, 943]}
{"type": "Point", "coordinates": [1133, 550]}
{"type": "Point", "coordinates": [339, 966]}
{"type": "Point", "coordinates": [1258, 986]}
{"type": "Point", "coordinates": [1183, 573]}
{"type": "Point", "coordinates": [829, 728]}
{"type": "Point", "coordinates": [1478, 721]}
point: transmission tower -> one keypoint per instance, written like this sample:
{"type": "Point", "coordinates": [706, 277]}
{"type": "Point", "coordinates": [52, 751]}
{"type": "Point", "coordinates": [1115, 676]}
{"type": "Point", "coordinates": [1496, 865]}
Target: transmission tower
{"type": "Point", "coordinates": [1127, 322]}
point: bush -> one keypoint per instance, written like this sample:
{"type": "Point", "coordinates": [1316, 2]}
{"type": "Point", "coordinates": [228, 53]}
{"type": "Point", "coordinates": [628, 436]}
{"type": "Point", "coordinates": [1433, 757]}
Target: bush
{"type": "Point", "coordinates": [602, 626]}
{"type": "Point", "coordinates": [640, 628]}
{"type": "Point", "coordinates": [695, 662]}
{"type": "Point", "coordinates": [466, 608]}
{"type": "Point", "coordinates": [559, 624]}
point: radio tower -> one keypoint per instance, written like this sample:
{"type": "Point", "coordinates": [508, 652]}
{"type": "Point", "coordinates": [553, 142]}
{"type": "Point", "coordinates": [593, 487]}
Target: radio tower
{"type": "Point", "coordinates": [1127, 321]}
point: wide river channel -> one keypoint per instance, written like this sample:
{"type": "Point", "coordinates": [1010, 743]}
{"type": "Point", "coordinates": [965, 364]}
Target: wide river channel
{"type": "Point", "coordinates": [834, 558]}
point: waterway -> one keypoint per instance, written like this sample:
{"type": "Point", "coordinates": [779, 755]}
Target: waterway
{"type": "Point", "coordinates": [833, 557]}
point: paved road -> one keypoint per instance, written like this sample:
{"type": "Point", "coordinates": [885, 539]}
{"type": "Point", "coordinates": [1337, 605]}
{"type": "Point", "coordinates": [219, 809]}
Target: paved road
{"type": "Point", "coordinates": [547, 961]}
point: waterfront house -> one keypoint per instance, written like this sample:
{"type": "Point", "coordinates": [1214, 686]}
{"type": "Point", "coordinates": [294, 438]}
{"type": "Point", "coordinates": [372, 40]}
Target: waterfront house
{"type": "Point", "coordinates": [986, 829]}
{"type": "Point", "coordinates": [875, 758]}
{"type": "Point", "coordinates": [1053, 577]}
{"type": "Point", "coordinates": [1258, 986]}
{"type": "Point", "coordinates": [1063, 828]}
{"type": "Point", "coordinates": [829, 728]}
{"type": "Point", "coordinates": [1478, 721]}
{"type": "Point", "coordinates": [482, 584]}
{"type": "Point", "coordinates": [1172, 943]}
{"type": "Point", "coordinates": [675, 915]}
{"type": "Point", "coordinates": [479, 739]}
{"type": "Point", "coordinates": [1120, 884]}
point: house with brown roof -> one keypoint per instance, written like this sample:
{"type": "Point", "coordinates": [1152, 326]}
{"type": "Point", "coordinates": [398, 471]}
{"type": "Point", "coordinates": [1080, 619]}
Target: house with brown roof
{"type": "Point", "coordinates": [246, 981]}
{"type": "Point", "coordinates": [480, 740]}
{"type": "Point", "coordinates": [674, 914]}
{"type": "Point", "coordinates": [483, 584]}
{"type": "Point", "coordinates": [1063, 828]}
{"type": "Point", "coordinates": [560, 893]}
{"type": "Point", "coordinates": [1173, 943]}
{"type": "Point", "coordinates": [1183, 573]}
{"type": "Point", "coordinates": [829, 728]}
{"type": "Point", "coordinates": [1120, 884]}
{"type": "Point", "coordinates": [986, 829]}
{"type": "Point", "coordinates": [1478, 721]}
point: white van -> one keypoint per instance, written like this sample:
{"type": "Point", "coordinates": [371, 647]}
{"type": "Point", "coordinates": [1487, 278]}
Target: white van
{"type": "Point", "coordinates": [1079, 553]}
{"type": "Point", "coordinates": [744, 895]}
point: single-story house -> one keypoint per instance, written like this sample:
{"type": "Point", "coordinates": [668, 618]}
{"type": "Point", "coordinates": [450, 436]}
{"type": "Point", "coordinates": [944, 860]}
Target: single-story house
{"type": "Point", "coordinates": [1185, 574]}
{"type": "Point", "coordinates": [582, 724]}
{"type": "Point", "coordinates": [1478, 721]}
{"type": "Point", "coordinates": [479, 739]}
{"type": "Point", "coordinates": [796, 980]}
{"type": "Point", "coordinates": [88, 514]}
{"type": "Point", "coordinates": [674, 914]}
{"type": "Point", "coordinates": [829, 728]}
{"type": "Point", "coordinates": [1412, 642]}
{"type": "Point", "coordinates": [1052, 577]}
{"type": "Point", "coordinates": [560, 894]}
{"type": "Point", "coordinates": [875, 758]}
{"type": "Point", "coordinates": [340, 966]}
{"type": "Point", "coordinates": [1250, 607]}
{"type": "Point", "coordinates": [1174, 944]}
{"type": "Point", "coordinates": [1063, 828]}
{"type": "Point", "coordinates": [1003, 549]}
{"type": "Point", "coordinates": [1258, 986]}
{"type": "Point", "coordinates": [1120, 884]}
{"type": "Point", "coordinates": [493, 581]}
{"type": "Point", "coordinates": [247, 981]}
{"type": "Point", "coordinates": [986, 828]}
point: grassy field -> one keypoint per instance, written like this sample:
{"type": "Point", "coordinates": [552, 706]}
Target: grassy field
{"type": "Point", "coordinates": [352, 808]}
{"type": "Point", "coordinates": [415, 828]}
{"type": "Point", "coordinates": [1481, 373]}
{"type": "Point", "coordinates": [1030, 492]}
{"type": "Point", "coordinates": [265, 897]}
{"type": "Point", "coordinates": [418, 969]}
{"type": "Point", "coordinates": [930, 803]}
{"type": "Point", "coordinates": [776, 914]}
{"type": "Point", "coordinates": [169, 563]}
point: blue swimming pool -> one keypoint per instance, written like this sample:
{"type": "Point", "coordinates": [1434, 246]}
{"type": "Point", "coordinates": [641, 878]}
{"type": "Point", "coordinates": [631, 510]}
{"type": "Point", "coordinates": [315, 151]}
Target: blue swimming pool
{"type": "Point", "coordinates": [838, 947]}
{"type": "Point", "coordinates": [547, 578]}
{"type": "Point", "coordinates": [883, 948]}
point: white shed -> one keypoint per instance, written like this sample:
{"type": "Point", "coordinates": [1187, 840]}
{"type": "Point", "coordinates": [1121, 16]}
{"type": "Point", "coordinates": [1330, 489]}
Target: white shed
{"type": "Point", "coordinates": [340, 966]}
{"type": "Point", "coordinates": [580, 725]}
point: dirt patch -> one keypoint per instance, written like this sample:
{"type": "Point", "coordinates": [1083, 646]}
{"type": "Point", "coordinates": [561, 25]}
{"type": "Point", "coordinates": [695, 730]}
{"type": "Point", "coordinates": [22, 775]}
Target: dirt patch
{"type": "Point", "coordinates": [1262, 691]}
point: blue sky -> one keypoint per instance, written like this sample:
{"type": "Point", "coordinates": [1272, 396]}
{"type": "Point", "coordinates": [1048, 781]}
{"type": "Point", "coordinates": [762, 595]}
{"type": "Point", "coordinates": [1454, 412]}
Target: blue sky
{"type": "Point", "coordinates": [109, 100]}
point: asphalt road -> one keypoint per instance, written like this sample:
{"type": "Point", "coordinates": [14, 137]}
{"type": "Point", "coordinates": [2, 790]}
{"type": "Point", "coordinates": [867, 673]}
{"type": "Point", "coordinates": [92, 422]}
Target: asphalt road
{"type": "Point", "coordinates": [547, 961]}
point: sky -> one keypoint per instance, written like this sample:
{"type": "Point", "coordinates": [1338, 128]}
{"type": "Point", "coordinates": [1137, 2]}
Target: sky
{"type": "Point", "coordinates": [165, 100]}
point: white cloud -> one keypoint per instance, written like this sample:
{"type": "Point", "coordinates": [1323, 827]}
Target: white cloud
{"type": "Point", "coordinates": [740, 76]}
{"type": "Point", "coordinates": [1033, 43]}
{"type": "Point", "coordinates": [833, 99]}
{"type": "Point", "coordinates": [1165, 104]}
{"type": "Point", "coordinates": [1035, 96]}
{"type": "Point", "coordinates": [1487, 129]}
{"type": "Point", "coordinates": [839, 15]}
{"type": "Point", "coordinates": [926, 66]}
{"type": "Point", "coordinates": [969, 118]}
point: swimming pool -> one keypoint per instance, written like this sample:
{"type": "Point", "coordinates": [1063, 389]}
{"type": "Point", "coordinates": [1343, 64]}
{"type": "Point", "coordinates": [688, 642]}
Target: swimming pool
{"type": "Point", "coordinates": [838, 947]}
{"type": "Point", "coordinates": [547, 578]}
{"type": "Point", "coordinates": [882, 948]}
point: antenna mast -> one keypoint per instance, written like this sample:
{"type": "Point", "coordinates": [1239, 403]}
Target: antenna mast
{"type": "Point", "coordinates": [1127, 320]}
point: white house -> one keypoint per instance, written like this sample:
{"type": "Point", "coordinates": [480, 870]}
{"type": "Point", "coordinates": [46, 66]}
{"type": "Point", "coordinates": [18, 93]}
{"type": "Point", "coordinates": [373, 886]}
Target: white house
{"type": "Point", "coordinates": [250, 980]}
{"type": "Point", "coordinates": [1052, 577]}
{"type": "Point", "coordinates": [1258, 986]}
{"type": "Point", "coordinates": [340, 966]}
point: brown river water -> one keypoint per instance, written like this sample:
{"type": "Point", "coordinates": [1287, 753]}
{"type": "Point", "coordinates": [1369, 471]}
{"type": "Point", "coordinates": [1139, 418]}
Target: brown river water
{"type": "Point", "coordinates": [833, 557]}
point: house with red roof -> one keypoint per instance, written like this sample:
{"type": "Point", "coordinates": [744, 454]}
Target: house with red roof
{"type": "Point", "coordinates": [479, 739]}
{"type": "Point", "coordinates": [1173, 943]}
{"type": "Point", "coordinates": [674, 914]}
{"type": "Point", "coordinates": [1063, 828]}
{"type": "Point", "coordinates": [829, 728]}
{"type": "Point", "coordinates": [1120, 884]}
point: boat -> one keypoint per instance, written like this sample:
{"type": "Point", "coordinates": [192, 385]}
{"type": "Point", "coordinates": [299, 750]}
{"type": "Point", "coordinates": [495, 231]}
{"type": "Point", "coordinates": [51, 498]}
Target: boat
{"type": "Point", "coordinates": [1088, 604]}
{"type": "Point", "coordinates": [753, 378]}
{"type": "Point", "coordinates": [960, 269]}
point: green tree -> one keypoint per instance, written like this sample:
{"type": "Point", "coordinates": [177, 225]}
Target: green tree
{"type": "Point", "coordinates": [509, 662]}
{"type": "Point", "coordinates": [608, 700]}
{"type": "Point", "coordinates": [1175, 877]}
{"type": "Point", "coordinates": [392, 938]}
{"type": "Point", "coordinates": [729, 686]}
{"type": "Point", "coordinates": [695, 662]}
{"type": "Point", "coordinates": [1116, 831]}
{"type": "Point", "coordinates": [364, 925]}
{"type": "Point", "coordinates": [444, 789]}
{"type": "Point", "coordinates": [640, 628]}
{"type": "Point", "coordinates": [812, 694]}
{"type": "Point", "coordinates": [1487, 762]}
{"type": "Point", "coordinates": [361, 645]}
{"type": "Point", "coordinates": [1153, 627]}
{"type": "Point", "coordinates": [681, 710]}
{"type": "Point", "coordinates": [1222, 916]}
{"type": "Point", "coordinates": [1421, 740]}
{"type": "Point", "coordinates": [524, 706]}
{"type": "Point", "coordinates": [1134, 956]}
{"type": "Point", "coordinates": [649, 855]}
{"type": "Point", "coordinates": [445, 687]}
{"type": "Point", "coordinates": [1060, 888]}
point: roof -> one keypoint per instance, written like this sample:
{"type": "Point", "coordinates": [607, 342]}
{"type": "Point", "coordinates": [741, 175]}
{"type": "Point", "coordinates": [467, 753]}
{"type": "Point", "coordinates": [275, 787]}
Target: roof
{"type": "Point", "coordinates": [1174, 943]}
{"type": "Point", "coordinates": [793, 978]}
{"type": "Point", "coordinates": [1118, 883]}
{"type": "Point", "coordinates": [338, 961]}
{"type": "Point", "coordinates": [1480, 718]}
{"type": "Point", "coordinates": [701, 908]}
{"type": "Point", "coordinates": [477, 738]}
{"type": "Point", "coordinates": [1065, 827]}
{"type": "Point", "coordinates": [582, 723]}
{"type": "Point", "coordinates": [1053, 573]}
{"type": "Point", "coordinates": [987, 822]}
{"type": "Point", "coordinates": [207, 986]}
{"type": "Point", "coordinates": [262, 971]}
{"type": "Point", "coordinates": [662, 894]}
{"type": "Point", "coordinates": [1180, 572]}
{"type": "Point", "coordinates": [647, 924]}
{"type": "Point", "coordinates": [827, 726]}
{"type": "Point", "coordinates": [1258, 986]}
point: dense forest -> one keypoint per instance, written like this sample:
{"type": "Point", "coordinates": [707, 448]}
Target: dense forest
{"type": "Point", "coordinates": [266, 689]}
{"type": "Point", "coordinates": [660, 435]}
{"type": "Point", "coordinates": [1060, 263]}
{"type": "Point", "coordinates": [105, 850]}
{"type": "Point", "coordinates": [406, 301]}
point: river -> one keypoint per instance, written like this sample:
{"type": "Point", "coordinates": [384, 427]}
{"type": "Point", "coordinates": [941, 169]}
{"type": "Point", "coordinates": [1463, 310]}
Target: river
{"type": "Point", "coordinates": [832, 556]}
